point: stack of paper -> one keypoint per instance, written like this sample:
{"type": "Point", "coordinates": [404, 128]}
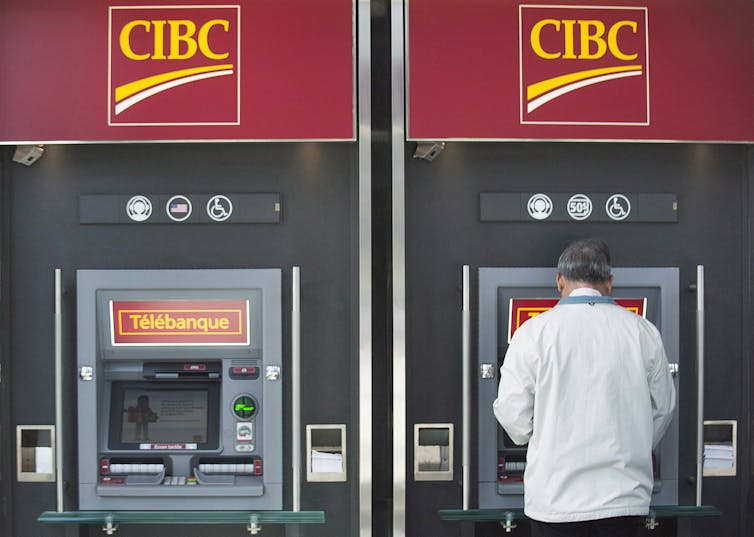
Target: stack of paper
{"type": "Point", "coordinates": [718, 456]}
{"type": "Point", "coordinates": [326, 462]}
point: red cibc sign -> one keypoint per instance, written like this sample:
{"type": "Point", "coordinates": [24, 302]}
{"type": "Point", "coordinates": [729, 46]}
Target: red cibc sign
{"type": "Point", "coordinates": [253, 70]}
{"type": "Point", "coordinates": [145, 68]}
{"type": "Point", "coordinates": [522, 309]}
{"type": "Point", "coordinates": [564, 50]}
{"type": "Point", "coordinates": [553, 70]}
{"type": "Point", "coordinates": [179, 322]}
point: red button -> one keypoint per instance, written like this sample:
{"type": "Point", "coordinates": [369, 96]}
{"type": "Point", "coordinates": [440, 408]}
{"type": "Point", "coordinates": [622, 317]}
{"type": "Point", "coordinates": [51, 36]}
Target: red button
{"type": "Point", "coordinates": [244, 370]}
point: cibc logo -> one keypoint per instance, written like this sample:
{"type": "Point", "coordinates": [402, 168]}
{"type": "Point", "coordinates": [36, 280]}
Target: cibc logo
{"type": "Point", "coordinates": [174, 65]}
{"type": "Point", "coordinates": [584, 65]}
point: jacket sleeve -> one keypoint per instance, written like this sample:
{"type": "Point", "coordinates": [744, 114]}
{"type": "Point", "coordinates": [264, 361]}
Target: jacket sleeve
{"type": "Point", "coordinates": [514, 406]}
{"type": "Point", "coordinates": [661, 390]}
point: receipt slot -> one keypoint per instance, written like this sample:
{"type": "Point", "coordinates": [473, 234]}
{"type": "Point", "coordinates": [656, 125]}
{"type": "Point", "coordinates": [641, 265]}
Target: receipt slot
{"type": "Point", "coordinates": [433, 452]}
{"type": "Point", "coordinates": [326, 452]}
{"type": "Point", "coordinates": [176, 409]}
{"type": "Point", "coordinates": [507, 298]}
{"type": "Point", "coordinates": [35, 449]}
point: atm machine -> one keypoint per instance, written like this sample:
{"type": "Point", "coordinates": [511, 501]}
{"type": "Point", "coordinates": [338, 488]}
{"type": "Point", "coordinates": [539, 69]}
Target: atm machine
{"type": "Point", "coordinates": [510, 296]}
{"type": "Point", "coordinates": [179, 389]}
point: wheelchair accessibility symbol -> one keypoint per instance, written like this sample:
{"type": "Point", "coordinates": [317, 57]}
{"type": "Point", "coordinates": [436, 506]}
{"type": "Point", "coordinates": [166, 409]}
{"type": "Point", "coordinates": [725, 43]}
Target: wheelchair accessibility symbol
{"type": "Point", "coordinates": [219, 208]}
{"type": "Point", "coordinates": [618, 207]}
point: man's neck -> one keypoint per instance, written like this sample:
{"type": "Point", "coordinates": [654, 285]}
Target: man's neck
{"type": "Point", "coordinates": [566, 287]}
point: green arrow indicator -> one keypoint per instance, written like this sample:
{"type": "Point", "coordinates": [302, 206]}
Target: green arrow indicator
{"type": "Point", "coordinates": [244, 407]}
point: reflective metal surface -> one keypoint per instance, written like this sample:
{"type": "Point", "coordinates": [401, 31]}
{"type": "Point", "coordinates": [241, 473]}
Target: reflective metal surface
{"type": "Point", "coordinates": [398, 100]}
{"type": "Point", "coordinates": [364, 81]}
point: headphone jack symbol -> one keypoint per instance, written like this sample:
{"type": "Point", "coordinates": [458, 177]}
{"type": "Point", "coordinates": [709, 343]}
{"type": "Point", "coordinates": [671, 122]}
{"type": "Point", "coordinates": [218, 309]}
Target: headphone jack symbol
{"type": "Point", "coordinates": [539, 206]}
{"type": "Point", "coordinates": [139, 208]}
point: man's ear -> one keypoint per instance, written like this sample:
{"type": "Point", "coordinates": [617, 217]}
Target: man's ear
{"type": "Point", "coordinates": [559, 281]}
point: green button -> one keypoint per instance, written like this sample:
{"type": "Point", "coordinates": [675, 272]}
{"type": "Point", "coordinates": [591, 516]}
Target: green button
{"type": "Point", "coordinates": [244, 407]}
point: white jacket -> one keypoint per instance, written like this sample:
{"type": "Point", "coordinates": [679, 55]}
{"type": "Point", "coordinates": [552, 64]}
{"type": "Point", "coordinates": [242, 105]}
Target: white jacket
{"type": "Point", "coordinates": [588, 386]}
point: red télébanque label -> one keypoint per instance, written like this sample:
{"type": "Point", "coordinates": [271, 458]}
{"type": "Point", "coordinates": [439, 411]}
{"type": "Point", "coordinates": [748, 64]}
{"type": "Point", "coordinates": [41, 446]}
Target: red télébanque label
{"type": "Point", "coordinates": [179, 322]}
{"type": "Point", "coordinates": [523, 309]}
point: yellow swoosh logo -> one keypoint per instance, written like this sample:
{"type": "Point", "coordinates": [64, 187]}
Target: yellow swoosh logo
{"type": "Point", "coordinates": [126, 90]}
{"type": "Point", "coordinates": [537, 89]}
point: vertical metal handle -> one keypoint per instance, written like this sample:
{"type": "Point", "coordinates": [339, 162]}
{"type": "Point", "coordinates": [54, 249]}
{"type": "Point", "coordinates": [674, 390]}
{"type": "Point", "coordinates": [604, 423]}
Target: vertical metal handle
{"type": "Point", "coordinates": [398, 168]}
{"type": "Point", "coordinates": [466, 395]}
{"type": "Point", "coordinates": [58, 341]}
{"type": "Point", "coordinates": [699, 381]}
{"type": "Point", "coordinates": [365, 448]}
{"type": "Point", "coordinates": [296, 386]}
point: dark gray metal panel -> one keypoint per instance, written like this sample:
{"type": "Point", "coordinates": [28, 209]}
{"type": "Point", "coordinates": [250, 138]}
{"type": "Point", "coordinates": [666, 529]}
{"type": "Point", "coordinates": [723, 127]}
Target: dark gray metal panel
{"type": "Point", "coordinates": [501, 207]}
{"type": "Point", "coordinates": [316, 182]}
{"type": "Point", "coordinates": [247, 208]}
{"type": "Point", "coordinates": [444, 233]}
{"type": "Point", "coordinates": [747, 427]}
{"type": "Point", "coordinates": [639, 207]}
{"type": "Point", "coordinates": [6, 432]}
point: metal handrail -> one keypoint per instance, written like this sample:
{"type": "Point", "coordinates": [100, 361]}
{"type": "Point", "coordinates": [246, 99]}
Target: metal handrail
{"type": "Point", "coordinates": [296, 386]}
{"type": "Point", "coordinates": [59, 436]}
{"type": "Point", "coordinates": [466, 397]}
{"type": "Point", "coordinates": [700, 381]}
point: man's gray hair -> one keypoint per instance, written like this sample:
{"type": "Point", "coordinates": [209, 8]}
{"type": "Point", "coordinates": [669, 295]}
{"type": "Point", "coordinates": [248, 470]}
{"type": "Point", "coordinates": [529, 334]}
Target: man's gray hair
{"type": "Point", "coordinates": [586, 260]}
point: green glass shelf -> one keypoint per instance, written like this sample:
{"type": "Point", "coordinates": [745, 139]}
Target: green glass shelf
{"type": "Point", "coordinates": [481, 515]}
{"type": "Point", "coordinates": [512, 515]}
{"type": "Point", "coordinates": [182, 517]}
{"type": "Point", "coordinates": [684, 511]}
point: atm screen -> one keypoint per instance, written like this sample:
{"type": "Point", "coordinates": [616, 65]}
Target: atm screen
{"type": "Point", "coordinates": [521, 310]}
{"type": "Point", "coordinates": [157, 416]}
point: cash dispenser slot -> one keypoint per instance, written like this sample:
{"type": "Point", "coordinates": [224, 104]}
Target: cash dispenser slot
{"type": "Point", "coordinates": [227, 470]}
{"type": "Point", "coordinates": [137, 471]}
{"type": "Point", "coordinates": [511, 465]}
{"type": "Point", "coordinates": [182, 370]}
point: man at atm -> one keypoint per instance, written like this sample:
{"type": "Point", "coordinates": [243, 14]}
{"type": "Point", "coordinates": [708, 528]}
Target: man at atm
{"type": "Point", "coordinates": [587, 385]}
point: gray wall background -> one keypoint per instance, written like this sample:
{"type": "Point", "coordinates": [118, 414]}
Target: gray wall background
{"type": "Point", "coordinates": [317, 183]}
{"type": "Point", "coordinates": [444, 233]}
{"type": "Point", "coordinates": [40, 231]}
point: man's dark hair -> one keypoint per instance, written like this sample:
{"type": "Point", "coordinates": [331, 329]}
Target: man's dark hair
{"type": "Point", "coordinates": [586, 260]}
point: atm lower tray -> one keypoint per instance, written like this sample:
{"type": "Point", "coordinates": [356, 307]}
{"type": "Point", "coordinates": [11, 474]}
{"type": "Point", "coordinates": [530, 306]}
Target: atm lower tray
{"type": "Point", "coordinates": [110, 520]}
{"type": "Point", "coordinates": [508, 517]}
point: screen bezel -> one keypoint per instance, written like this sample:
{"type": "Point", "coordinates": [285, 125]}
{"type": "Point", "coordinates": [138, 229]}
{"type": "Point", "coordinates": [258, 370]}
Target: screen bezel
{"type": "Point", "coordinates": [254, 295]}
{"type": "Point", "coordinates": [115, 424]}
